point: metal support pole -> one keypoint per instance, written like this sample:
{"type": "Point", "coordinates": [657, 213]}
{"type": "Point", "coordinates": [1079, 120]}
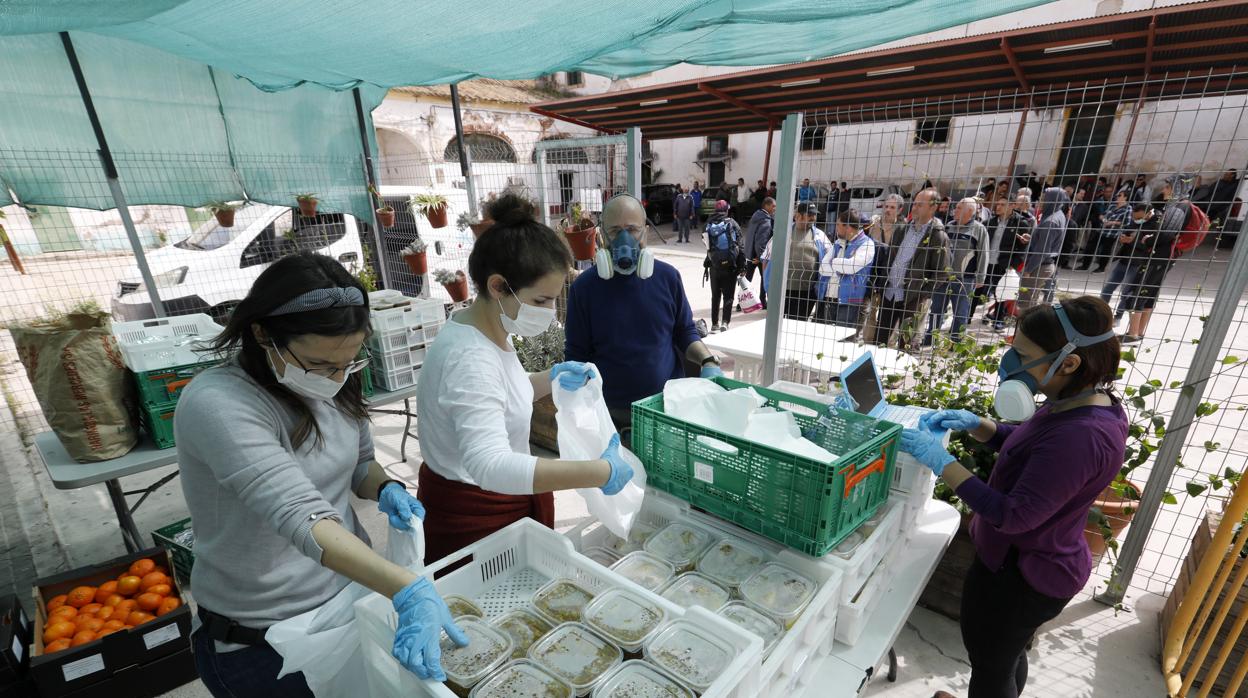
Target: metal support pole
{"type": "Point", "coordinates": [1119, 171]}
{"type": "Point", "coordinates": [1018, 140]}
{"type": "Point", "coordinates": [771, 128]}
{"type": "Point", "coordinates": [543, 199]}
{"type": "Point", "coordinates": [465, 163]}
{"type": "Point", "coordinates": [1222, 312]}
{"type": "Point", "coordinates": [371, 180]}
{"type": "Point", "coordinates": [634, 162]}
{"type": "Point", "coordinates": [776, 270]}
{"type": "Point", "coordinates": [110, 173]}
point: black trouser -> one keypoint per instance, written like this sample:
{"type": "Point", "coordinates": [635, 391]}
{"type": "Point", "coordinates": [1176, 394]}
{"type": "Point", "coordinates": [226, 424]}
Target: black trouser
{"type": "Point", "coordinates": [1097, 250]}
{"type": "Point", "coordinates": [892, 314]}
{"type": "Point", "coordinates": [723, 284]}
{"type": "Point", "coordinates": [1000, 614]}
{"type": "Point", "coordinates": [799, 303]}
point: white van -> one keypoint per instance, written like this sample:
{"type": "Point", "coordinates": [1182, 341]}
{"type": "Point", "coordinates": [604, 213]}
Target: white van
{"type": "Point", "coordinates": [211, 270]}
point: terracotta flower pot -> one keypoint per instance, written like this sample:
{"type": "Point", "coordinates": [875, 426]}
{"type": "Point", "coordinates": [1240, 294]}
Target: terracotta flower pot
{"type": "Point", "coordinates": [584, 243]}
{"type": "Point", "coordinates": [385, 217]}
{"type": "Point", "coordinates": [225, 217]}
{"type": "Point", "coordinates": [1115, 509]}
{"type": "Point", "coordinates": [458, 289]}
{"type": "Point", "coordinates": [437, 216]}
{"type": "Point", "coordinates": [307, 207]}
{"type": "Point", "coordinates": [418, 263]}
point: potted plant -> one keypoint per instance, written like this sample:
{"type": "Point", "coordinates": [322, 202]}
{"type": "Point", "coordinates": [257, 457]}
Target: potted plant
{"type": "Point", "coordinates": [385, 212]}
{"type": "Point", "coordinates": [455, 283]}
{"type": "Point", "coordinates": [432, 206]}
{"type": "Point", "coordinates": [581, 233]}
{"type": "Point", "coordinates": [467, 221]}
{"type": "Point", "coordinates": [224, 212]}
{"type": "Point", "coordinates": [307, 204]}
{"type": "Point", "coordinates": [538, 354]}
{"type": "Point", "coordinates": [415, 256]}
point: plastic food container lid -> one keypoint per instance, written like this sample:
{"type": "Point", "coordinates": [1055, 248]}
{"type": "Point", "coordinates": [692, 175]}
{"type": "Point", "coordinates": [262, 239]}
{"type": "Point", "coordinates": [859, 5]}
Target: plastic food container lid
{"type": "Point", "coordinates": [779, 590]}
{"type": "Point", "coordinates": [638, 679]}
{"type": "Point", "coordinates": [693, 589]}
{"type": "Point", "coordinates": [690, 653]}
{"type": "Point", "coordinates": [845, 550]}
{"type": "Point", "coordinates": [678, 544]}
{"type": "Point", "coordinates": [522, 678]}
{"type": "Point", "coordinates": [576, 654]}
{"type": "Point", "coordinates": [755, 621]}
{"type": "Point", "coordinates": [730, 561]}
{"type": "Point", "coordinates": [637, 537]}
{"type": "Point", "coordinates": [524, 628]}
{"type": "Point", "coordinates": [561, 601]}
{"type": "Point", "coordinates": [624, 617]}
{"type": "Point", "coordinates": [460, 606]}
{"type": "Point", "coordinates": [487, 648]}
{"type": "Point", "coordinates": [603, 556]}
{"type": "Point", "coordinates": [645, 569]}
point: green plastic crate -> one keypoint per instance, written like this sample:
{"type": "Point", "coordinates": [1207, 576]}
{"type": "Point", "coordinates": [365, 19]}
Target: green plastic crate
{"type": "Point", "coordinates": [183, 556]}
{"type": "Point", "coordinates": [800, 502]}
{"type": "Point", "coordinates": [158, 421]}
{"type": "Point", "coordinates": [165, 385]}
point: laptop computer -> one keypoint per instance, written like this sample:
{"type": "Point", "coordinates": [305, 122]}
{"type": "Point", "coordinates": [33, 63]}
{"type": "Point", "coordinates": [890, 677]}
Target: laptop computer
{"type": "Point", "coordinates": [861, 383]}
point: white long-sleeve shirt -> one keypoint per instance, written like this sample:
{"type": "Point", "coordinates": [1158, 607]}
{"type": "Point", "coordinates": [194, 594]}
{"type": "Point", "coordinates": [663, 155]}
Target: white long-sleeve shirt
{"type": "Point", "coordinates": [475, 402]}
{"type": "Point", "coordinates": [834, 263]}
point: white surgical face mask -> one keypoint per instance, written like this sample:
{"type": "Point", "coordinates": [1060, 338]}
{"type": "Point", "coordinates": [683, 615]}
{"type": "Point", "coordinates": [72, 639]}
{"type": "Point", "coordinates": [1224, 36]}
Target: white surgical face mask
{"type": "Point", "coordinates": [301, 382]}
{"type": "Point", "coordinates": [530, 320]}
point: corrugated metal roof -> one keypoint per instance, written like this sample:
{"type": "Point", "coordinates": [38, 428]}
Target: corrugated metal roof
{"type": "Point", "coordinates": [490, 90]}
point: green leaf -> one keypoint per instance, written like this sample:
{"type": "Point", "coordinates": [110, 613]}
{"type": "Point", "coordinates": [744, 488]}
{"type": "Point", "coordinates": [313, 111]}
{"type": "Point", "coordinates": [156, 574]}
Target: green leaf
{"type": "Point", "coordinates": [1175, 384]}
{"type": "Point", "coordinates": [1146, 390]}
{"type": "Point", "coordinates": [1137, 402]}
{"type": "Point", "coordinates": [1205, 409]}
{"type": "Point", "coordinates": [819, 357]}
{"type": "Point", "coordinates": [1195, 341]}
{"type": "Point", "coordinates": [1129, 391]}
{"type": "Point", "coordinates": [1230, 359]}
{"type": "Point", "coordinates": [1156, 383]}
{"type": "Point", "coordinates": [1193, 489]}
{"type": "Point", "coordinates": [1212, 446]}
{"type": "Point", "coordinates": [1169, 498]}
{"type": "Point", "coordinates": [1128, 355]}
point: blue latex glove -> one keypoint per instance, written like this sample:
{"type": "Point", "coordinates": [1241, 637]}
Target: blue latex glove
{"type": "Point", "coordinates": [926, 449]}
{"type": "Point", "coordinates": [621, 471]}
{"type": "Point", "coordinates": [572, 374]}
{"type": "Point", "coordinates": [422, 616]}
{"type": "Point", "coordinates": [712, 371]}
{"type": "Point", "coordinates": [399, 504]}
{"type": "Point", "coordinates": [949, 420]}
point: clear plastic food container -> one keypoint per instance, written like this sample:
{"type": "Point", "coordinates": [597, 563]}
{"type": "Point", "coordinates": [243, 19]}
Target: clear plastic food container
{"type": "Point", "coordinates": [692, 589]}
{"type": "Point", "coordinates": [730, 561]}
{"type": "Point", "coordinates": [522, 679]}
{"type": "Point", "coordinates": [561, 601]}
{"type": "Point", "coordinates": [679, 544]}
{"type": "Point", "coordinates": [460, 606]}
{"type": "Point", "coordinates": [524, 627]}
{"type": "Point", "coordinates": [755, 621]}
{"type": "Point", "coordinates": [637, 537]}
{"type": "Point", "coordinates": [846, 548]}
{"type": "Point", "coordinates": [690, 653]}
{"type": "Point", "coordinates": [487, 648]}
{"type": "Point", "coordinates": [576, 654]}
{"type": "Point", "coordinates": [624, 617]}
{"type": "Point", "coordinates": [603, 556]}
{"type": "Point", "coordinates": [780, 591]}
{"type": "Point", "coordinates": [646, 570]}
{"type": "Point", "coordinates": [638, 679]}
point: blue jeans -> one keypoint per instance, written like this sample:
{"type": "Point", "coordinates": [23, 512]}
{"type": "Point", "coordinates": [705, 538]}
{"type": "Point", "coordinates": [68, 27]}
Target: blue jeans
{"type": "Point", "coordinates": [251, 671]}
{"type": "Point", "coordinates": [958, 293]}
{"type": "Point", "coordinates": [682, 234]}
{"type": "Point", "coordinates": [1123, 274]}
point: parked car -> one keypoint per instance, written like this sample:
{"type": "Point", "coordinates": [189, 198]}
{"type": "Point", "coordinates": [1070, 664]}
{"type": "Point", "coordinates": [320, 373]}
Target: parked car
{"type": "Point", "coordinates": [658, 200]}
{"type": "Point", "coordinates": [211, 270]}
{"type": "Point", "coordinates": [868, 199]}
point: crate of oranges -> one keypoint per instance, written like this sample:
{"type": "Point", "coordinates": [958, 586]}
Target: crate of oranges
{"type": "Point", "coordinates": [93, 622]}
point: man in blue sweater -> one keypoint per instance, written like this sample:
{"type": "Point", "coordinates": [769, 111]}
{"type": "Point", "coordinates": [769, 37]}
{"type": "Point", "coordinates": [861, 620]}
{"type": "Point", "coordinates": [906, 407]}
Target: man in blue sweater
{"type": "Point", "coordinates": [636, 325]}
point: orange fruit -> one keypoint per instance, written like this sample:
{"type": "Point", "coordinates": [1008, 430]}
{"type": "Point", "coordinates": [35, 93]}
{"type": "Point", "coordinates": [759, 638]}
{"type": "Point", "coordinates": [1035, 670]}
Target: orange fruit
{"type": "Point", "coordinates": [59, 629]}
{"type": "Point", "coordinates": [56, 646]}
{"type": "Point", "coordinates": [56, 602]}
{"type": "Point", "coordinates": [105, 613]}
{"type": "Point", "coordinates": [152, 579]}
{"type": "Point", "coordinates": [148, 601]}
{"type": "Point", "coordinates": [113, 624]}
{"type": "Point", "coordinates": [106, 590]}
{"type": "Point", "coordinates": [88, 623]}
{"type": "Point", "coordinates": [168, 605]}
{"type": "Point", "coordinates": [80, 596]}
{"type": "Point", "coordinates": [105, 632]}
{"type": "Point", "coordinates": [139, 618]}
{"type": "Point", "coordinates": [63, 613]}
{"type": "Point", "coordinates": [161, 569]}
{"type": "Point", "coordinates": [113, 600]}
{"type": "Point", "coordinates": [82, 637]}
{"type": "Point", "coordinates": [160, 590]}
{"type": "Point", "coordinates": [124, 608]}
{"type": "Point", "coordinates": [128, 585]}
{"type": "Point", "coordinates": [142, 567]}
{"type": "Point", "coordinates": [90, 608]}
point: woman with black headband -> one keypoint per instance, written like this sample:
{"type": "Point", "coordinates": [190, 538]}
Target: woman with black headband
{"type": "Point", "coordinates": [271, 445]}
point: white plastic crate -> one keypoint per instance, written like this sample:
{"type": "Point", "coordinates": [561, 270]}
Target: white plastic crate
{"type": "Point", "coordinates": [417, 313]}
{"type": "Point", "coordinates": [779, 669]}
{"type": "Point", "coordinates": [397, 360]}
{"type": "Point", "coordinates": [502, 573]}
{"type": "Point", "coordinates": [853, 614]}
{"type": "Point", "coordinates": [867, 556]}
{"type": "Point", "coordinates": [398, 379]}
{"type": "Point", "coordinates": [395, 340]}
{"type": "Point", "coordinates": [150, 345]}
{"type": "Point", "coordinates": [912, 486]}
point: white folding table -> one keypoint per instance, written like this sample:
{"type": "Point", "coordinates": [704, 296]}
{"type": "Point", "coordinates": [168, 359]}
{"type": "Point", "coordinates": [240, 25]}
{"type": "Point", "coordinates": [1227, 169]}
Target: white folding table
{"type": "Point", "coordinates": [819, 348]}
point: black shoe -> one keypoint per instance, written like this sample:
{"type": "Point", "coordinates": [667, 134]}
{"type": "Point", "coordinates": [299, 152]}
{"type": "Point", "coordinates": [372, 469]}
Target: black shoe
{"type": "Point", "coordinates": [1063, 265]}
{"type": "Point", "coordinates": [1131, 339]}
{"type": "Point", "coordinates": [1082, 267]}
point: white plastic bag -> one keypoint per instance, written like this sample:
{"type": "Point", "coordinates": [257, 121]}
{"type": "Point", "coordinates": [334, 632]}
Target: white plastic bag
{"type": "Point", "coordinates": [324, 643]}
{"type": "Point", "coordinates": [585, 429]}
{"type": "Point", "coordinates": [746, 298]}
{"type": "Point", "coordinates": [1007, 287]}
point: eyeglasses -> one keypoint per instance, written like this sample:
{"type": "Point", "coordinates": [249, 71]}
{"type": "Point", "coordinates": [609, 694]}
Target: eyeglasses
{"type": "Point", "coordinates": [331, 372]}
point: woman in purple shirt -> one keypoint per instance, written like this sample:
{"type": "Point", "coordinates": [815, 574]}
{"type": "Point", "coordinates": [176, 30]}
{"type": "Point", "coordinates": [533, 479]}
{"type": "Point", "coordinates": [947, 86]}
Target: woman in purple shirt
{"type": "Point", "coordinates": [1031, 557]}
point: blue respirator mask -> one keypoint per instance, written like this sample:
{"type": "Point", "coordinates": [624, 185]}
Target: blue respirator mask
{"type": "Point", "coordinates": [1015, 400]}
{"type": "Point", "coordinates": [624, 255]}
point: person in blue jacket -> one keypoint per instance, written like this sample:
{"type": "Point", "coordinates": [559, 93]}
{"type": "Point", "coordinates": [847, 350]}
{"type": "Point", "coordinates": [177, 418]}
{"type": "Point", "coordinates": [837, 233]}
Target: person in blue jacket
{"type": "Point", "coordinates": [631, 317]}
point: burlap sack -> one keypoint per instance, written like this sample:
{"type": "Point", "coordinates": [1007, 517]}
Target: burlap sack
{"type": "Point", "coordinates": [76, 370]}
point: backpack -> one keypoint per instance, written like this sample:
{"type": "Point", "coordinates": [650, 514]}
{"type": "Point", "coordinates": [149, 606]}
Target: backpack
{"type": "Point", "coordinates": [725, 248]}
{"type": "Point", "coordinates": [1193, 233]}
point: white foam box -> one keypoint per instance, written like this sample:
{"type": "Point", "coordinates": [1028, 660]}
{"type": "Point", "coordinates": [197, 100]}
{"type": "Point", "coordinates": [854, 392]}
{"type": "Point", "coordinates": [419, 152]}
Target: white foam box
{"type": "Point", "coordinates": [912, 486]}
{"type": "Point", "coordinates": [791, 660]}
{"type": "Point", "coordinates": [868, 555]}
{"type": "Point", "coordinates": [501, 574]}
{"type": "Point", "coordinates": [853, 614]}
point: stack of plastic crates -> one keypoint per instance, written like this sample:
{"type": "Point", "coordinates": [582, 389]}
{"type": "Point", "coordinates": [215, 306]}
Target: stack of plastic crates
{"type": "Point", "coordinates": [399, 340]}
{"type": "Point", "coordinates": [165, 354]}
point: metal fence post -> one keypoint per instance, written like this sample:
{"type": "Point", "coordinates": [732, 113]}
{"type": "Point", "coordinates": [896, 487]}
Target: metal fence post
{"type": "Point", "coordinates": [634, 162]}
{"type": "Point", "coordinates": [465, 158]}
{"type": "Point", "coordinates": [370, 179]}
{"type": "Point", "coordinates": [1225, 304]}
{"type": "Point", "coordinates": [776, 270]}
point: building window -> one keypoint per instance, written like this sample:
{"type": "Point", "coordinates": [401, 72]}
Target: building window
{"type": "Point", "coordinates": [573, 78]}
{"type": "Point", "coordinates": [562, 156]}
{"type": "Point", "coordinates": [482, 147]}
{"type": "Point", "coordinates": [931, 131]}
{"type": "Point", "coordinates": [813, 138]}
{"type": "Point", "coordinates": [716, 146]}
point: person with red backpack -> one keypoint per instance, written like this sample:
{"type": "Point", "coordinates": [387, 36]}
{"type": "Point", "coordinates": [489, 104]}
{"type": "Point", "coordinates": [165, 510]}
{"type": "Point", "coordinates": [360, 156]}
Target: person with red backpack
{"type": "Point", "coordinates": [724, 262]}
{"type": "Point", "coordinates": [1180, 228]}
